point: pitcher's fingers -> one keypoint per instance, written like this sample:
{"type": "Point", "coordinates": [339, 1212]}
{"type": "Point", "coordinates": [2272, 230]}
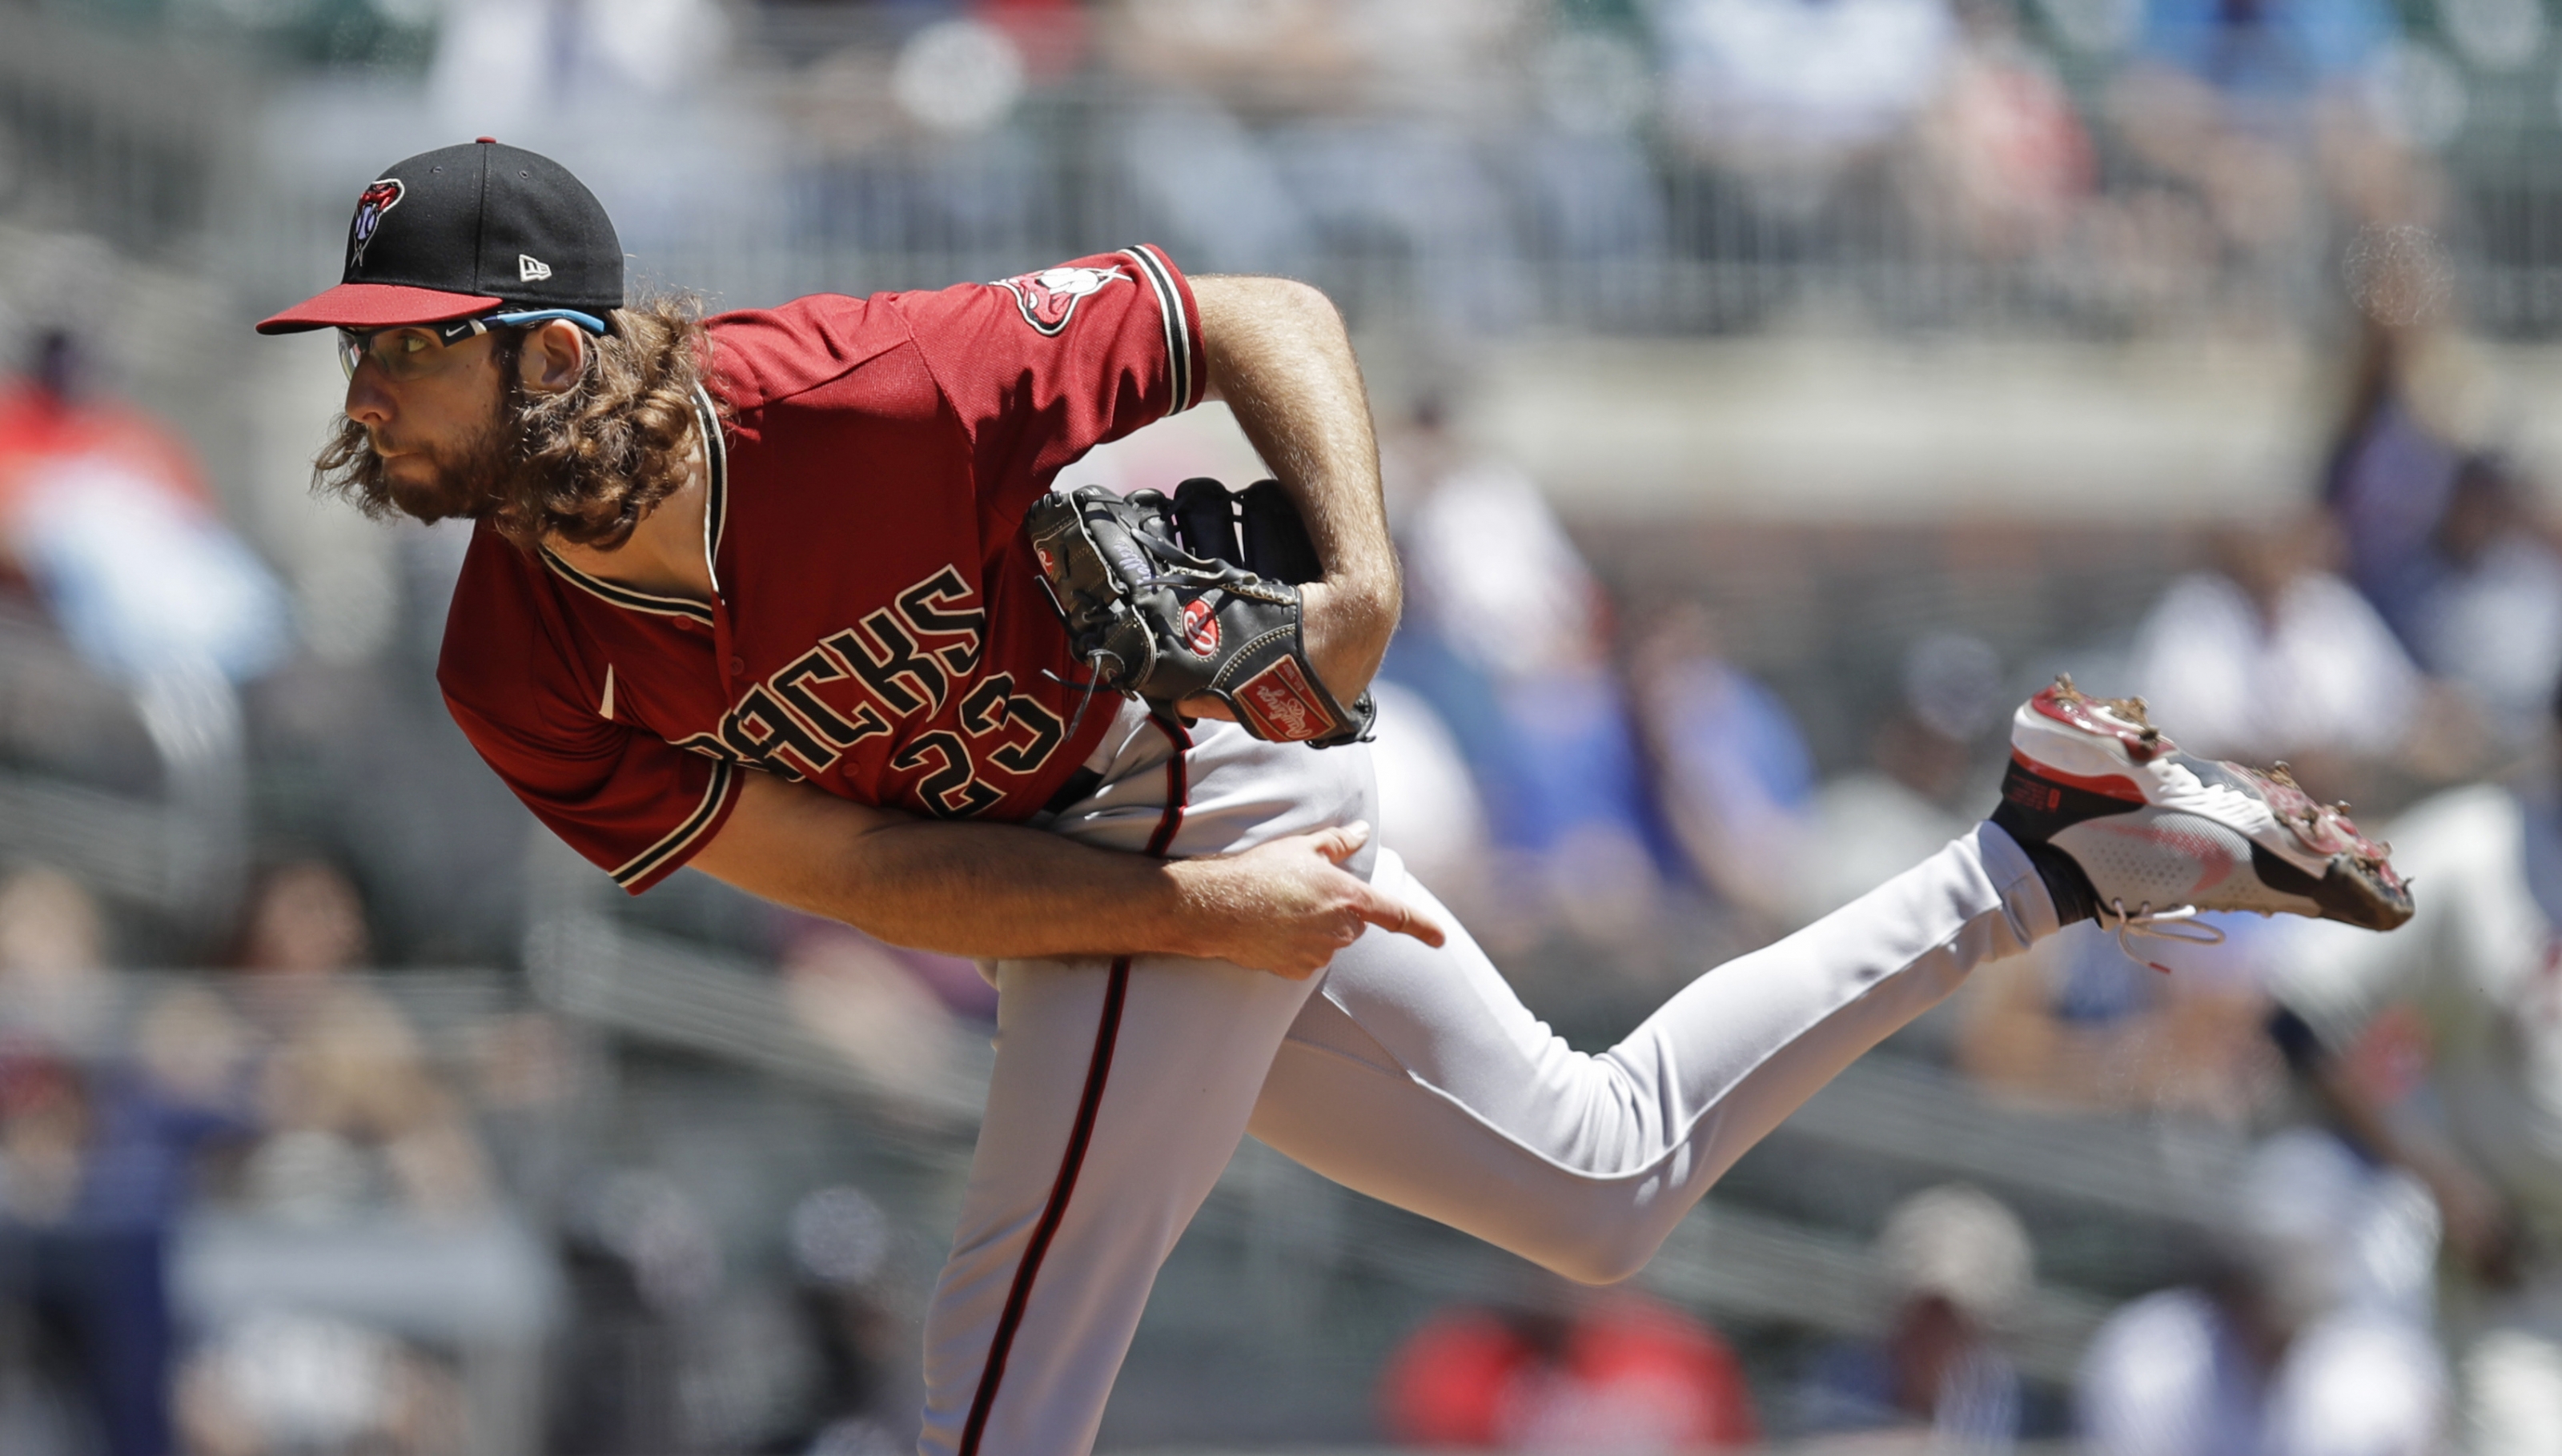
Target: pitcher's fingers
{"type": "Point", "coordinates": [1391, 913]}
{"type": "Point", "coordinates": [1343, 840]}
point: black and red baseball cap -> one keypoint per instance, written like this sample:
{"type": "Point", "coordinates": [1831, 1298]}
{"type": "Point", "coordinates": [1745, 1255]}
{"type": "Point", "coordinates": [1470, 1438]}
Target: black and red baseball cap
{"type": "Point", "coordinates": [464, 230]}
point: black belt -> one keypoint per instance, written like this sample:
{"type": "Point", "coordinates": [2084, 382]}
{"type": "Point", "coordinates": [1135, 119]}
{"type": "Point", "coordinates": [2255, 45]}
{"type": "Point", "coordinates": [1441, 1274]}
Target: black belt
{"type": "Point", "coordinates": [1079, 785]}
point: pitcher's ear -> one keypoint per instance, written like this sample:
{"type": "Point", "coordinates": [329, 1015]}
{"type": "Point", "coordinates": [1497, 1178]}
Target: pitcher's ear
{"type": "Point", "coordinates": [554, 356]}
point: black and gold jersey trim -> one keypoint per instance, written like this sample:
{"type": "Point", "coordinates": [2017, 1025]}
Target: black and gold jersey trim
{"type": "Point", "coordinates": [626, 597]}
{"type": "Point", "coordinates": [716, 453]}
{"type": "Point", "coordinates": [715, 521]}
{"type": "Point", "coordinates": [716, 793]}
{"type": "Point", "coordinates": [1180, 366]}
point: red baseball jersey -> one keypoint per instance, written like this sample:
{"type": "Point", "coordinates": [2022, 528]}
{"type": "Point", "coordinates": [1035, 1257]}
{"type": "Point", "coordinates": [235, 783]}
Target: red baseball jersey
{"type": "Point", "coordinates": [878, 628]}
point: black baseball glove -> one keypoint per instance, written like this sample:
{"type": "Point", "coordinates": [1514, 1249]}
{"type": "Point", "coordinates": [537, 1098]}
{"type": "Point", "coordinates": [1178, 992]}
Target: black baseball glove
{"type": "Point", "coordinates": [1166, 598]}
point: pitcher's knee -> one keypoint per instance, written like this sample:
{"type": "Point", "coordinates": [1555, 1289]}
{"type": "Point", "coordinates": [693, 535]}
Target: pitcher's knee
{"type": "Point", "coordinates": [1612, 1258]}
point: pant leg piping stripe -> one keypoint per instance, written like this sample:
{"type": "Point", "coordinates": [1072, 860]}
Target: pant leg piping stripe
{"type": "Point", "coordinates": [1179, 786]}
{"type": "Point", "coordinates": [1098, 1072]}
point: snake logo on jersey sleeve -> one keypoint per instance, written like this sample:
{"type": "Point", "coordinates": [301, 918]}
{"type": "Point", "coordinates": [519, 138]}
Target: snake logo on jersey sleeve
{"type": "Point", "coordinates": [1049, 299]}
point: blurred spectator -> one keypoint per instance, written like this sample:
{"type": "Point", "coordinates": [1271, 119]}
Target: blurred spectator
{"type": "Point", "coordinates": [918, 153]}
{"type": "Point", "coordinates": [96, 1164]}
{"type": "Point", "coordinates": [1506, 636]}
{"type": "Point", "coordinates": [1270, 133]}
{"type": "Point", "coordinates": [2078, 1023]}
{"type": "Point", "coordinates": [503, 64]}
{"type": "Point", "coordinates": [303, 1383]}
{"type": "Point", "coordinates": [2266, 53]}
{"type": "Point", "coordinates": [840, 1257]}
{"type": "Point", "coordinates": [1614, 1373]}
{"type": "Point", "coordinates": [1798, 86]}
{"type": "Point", "coordinates": [350, 1124]}
{"type": "Point", "coordinates": [2304, 1339]}
{"type": "Point", "coordinates": [1497, 573]}
{"type": "Point", "coordinates": [857, 995]}
{"type": "Point", "coordinates": [1428, 809]}
{"type": "Point", "coordinates": [1962, 1267]}
{"type": "Point", "coordinates": [2470, 985]}
{"type": "Point", "coordinates": [2391, 463]}
{"type": "Point", "coordinates": [1595, 199]}
{"type": "Point", "coordinates": [1871, 826]}
{"type": "Point", "coordinates": [2443, 540]}
{"type": "Point", "coordinates": [2005, 161]}
{"type": "Point", "coordinates": [1732, 772]}
{"type": "Point", "coordinates": [53, 960]}
{"type": "Point", "coordinates": [676, 1349]}
{"type": "Point", "coordinates": [351, 1116]}
{"type": "Point", "coordinates": [2232, 96]}
{"type": "Point", "coordinates": [2272, 656]}
{"type": "Point", "coordinates": [641, 1259]}
{"type": "Point", "coordinates": [2249, 126]}
{"type": "Point", "coordinates": [2490, 625]}
{"type": "Point", "coordinates": [48, 415]}
{"type": "Point", "coordinates": [1262, 60]}
{"type": "Point", "coordinates": [109, 518]}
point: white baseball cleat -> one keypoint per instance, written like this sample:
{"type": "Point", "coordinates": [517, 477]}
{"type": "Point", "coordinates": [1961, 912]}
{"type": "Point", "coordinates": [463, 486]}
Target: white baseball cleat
{"type": "Point", "coordinates": [2161, 834]}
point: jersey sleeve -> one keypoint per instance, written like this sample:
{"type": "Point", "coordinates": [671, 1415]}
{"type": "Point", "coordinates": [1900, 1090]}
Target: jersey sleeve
{"type": "Point", "coordinates": [637, 806]}
{"type": "Point", "coordinates": [634, 805]}
{"type": "Point", "coordinates": [1042, 367]}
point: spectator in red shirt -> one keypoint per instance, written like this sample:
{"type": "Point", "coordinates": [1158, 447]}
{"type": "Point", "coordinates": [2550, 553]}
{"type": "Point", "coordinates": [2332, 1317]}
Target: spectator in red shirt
{"type": "Point", "coordinates": [1619, 1373]}
{"type": "Point", "coordinates": [47, 418]}
{"type": "Point", "coordinates": [107, 515]}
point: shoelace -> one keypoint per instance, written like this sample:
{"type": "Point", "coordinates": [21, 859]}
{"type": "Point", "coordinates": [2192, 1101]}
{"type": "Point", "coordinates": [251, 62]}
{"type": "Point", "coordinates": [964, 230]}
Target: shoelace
{"type": "Point", "coordinates": [2180, 925]}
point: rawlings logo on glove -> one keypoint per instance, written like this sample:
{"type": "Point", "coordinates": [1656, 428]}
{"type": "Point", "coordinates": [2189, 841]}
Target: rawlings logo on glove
{"type": "Point", "coordinates": [1169, 597]}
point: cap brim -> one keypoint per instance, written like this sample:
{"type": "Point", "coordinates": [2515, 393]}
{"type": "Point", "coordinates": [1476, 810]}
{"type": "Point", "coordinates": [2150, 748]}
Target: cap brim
{"type": "Point", "coordinates": [374, 306]}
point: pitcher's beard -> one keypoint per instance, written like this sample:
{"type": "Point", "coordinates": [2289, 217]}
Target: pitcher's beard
{"type": "Point", "coordinates": [462, 482]}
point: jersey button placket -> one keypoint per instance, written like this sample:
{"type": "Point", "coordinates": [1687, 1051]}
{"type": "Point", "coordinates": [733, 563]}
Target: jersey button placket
{"type": "Point", "coordinates": [725, 651]}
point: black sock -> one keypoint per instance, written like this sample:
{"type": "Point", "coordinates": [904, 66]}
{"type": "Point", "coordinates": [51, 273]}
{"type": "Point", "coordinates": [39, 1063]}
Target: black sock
{"type": "Point", "coordinates": [2066, 884]}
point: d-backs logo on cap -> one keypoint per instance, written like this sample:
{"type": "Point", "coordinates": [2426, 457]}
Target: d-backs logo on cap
{"type": "Point", "coordinates": [377, 200]}
{"type": "Point", "coordinates": [1049, 299]}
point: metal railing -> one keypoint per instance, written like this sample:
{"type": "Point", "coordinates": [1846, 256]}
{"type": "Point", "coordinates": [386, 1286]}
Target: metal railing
{"type": "Point", "coordinates": [155, 809]}
{"type": "Point", "coordinates": [1455, 228]}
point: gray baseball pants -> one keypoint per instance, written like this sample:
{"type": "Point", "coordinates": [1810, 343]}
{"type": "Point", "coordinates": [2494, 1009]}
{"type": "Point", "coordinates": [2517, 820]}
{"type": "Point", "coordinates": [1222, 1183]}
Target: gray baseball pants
{"type": "Point", "coordinates": [1408, 1073]}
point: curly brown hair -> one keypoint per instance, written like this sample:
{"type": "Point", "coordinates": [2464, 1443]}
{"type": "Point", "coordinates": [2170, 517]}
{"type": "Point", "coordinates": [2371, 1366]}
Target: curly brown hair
{"type": "Point", "coordinates": [583, 464]}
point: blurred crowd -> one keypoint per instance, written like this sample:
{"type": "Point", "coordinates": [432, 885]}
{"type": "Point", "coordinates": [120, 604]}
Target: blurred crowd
{"type": "Point", "coordinates": [295, 1205]}
{"type": "Point", "coordinates": [2135, 156]}
{"type": "Point", "coordinates": [2384, 1276]}
{"type": "Point", "coordinates": [314, 1194]}
{"type": "Point", "coordinates": [1647, 166]}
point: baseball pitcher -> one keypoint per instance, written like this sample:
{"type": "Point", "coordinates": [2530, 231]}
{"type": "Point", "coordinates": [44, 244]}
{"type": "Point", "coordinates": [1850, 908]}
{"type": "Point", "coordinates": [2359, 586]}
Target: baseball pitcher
{"type": "Point", "coordinates": [786, 595]}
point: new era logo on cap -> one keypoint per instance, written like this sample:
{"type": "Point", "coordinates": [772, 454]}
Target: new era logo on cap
{"type": "Point", "coordinates": [530, 268]}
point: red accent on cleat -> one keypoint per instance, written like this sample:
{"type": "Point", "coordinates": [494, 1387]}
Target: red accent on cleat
{"type": "Point", "coordinates": [2068, 707]}
{"type": "Point", "coordinates": [2112, 786]}
{"type": "Point", "coordinates": [2160, 834]}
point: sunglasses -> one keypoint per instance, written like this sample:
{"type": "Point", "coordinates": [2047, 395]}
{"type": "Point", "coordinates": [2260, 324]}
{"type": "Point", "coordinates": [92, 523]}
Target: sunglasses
{"type": "Point", "coordinates": [414, 350]}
